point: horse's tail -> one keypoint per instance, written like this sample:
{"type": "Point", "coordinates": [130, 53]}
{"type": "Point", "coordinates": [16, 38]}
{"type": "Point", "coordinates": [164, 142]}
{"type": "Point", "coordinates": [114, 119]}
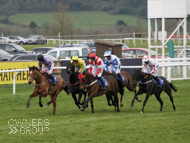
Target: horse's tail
{"type": "Point", "coordinates": [173, 87]}
{"type": "Point", "coordinates": [67, 89]}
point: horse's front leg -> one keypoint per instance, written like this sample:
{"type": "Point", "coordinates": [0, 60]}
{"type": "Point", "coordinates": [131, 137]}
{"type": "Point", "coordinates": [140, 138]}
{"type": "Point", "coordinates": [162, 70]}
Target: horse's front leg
{"type": "Point", "coordinates": [40, 102]}
{"type": "Point", "coordinates": [146, 99]}
{"type": "Point", "coordinates": [108, 97]}
{"type": "Point", "coordinates": [138, 93]}
{"type": "Point", "coordinates": [85, 105]}
{"type": "Point", "coordinates": [75, 99]}
{"type": "Point", "coordinates": [34, 94]}
{"type": "Point", "coordinates": [84, 92]}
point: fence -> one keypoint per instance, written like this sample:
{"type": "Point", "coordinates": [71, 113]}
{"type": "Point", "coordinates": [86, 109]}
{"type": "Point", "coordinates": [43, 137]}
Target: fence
{"type": "Point", "coordinates": [180, 68]}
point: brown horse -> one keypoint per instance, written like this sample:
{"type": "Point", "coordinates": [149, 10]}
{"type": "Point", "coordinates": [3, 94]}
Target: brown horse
{"type": "Point", "coordinates": [43, 88]}
{"type": "Point", "coordinates": [129, 84]}
{"type": "Point", "coordinates": [94, 90]}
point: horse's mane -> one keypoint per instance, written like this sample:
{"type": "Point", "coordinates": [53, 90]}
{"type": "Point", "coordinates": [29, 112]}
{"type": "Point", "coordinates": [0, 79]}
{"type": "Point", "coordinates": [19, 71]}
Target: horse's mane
{"type": "Point", "coordinates": [34, 68]}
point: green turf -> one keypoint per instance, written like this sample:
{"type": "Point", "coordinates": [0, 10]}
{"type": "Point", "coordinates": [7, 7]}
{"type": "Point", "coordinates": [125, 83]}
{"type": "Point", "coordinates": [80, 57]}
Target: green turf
{"type": "Point", "coordinates": [71, 125]}
{"type": "Point", "coordinates": [84, 19]}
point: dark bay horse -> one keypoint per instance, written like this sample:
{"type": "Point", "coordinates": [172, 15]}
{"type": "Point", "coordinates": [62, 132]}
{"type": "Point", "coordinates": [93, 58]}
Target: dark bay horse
{"type": "Point", "coordinates": [43, 88]}
{"type": "Point", "coordinates": [147, 85]}
{"type": "Point", "coordinates": [94, 89]}
{"type": "Point", "coordinates": [129, 84]}
{"type": "Point", "coordinates": [74, 85]}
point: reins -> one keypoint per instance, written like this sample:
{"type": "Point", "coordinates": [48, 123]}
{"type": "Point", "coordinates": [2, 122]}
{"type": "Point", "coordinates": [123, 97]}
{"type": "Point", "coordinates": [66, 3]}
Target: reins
{"type": "Point", "coordinates": [146, 81]}
{"type": "Point", "coordinates": [40, 83]}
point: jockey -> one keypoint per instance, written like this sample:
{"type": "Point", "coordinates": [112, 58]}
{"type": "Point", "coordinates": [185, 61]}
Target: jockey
{"type": "Point", "coordinates": [48, 66]}
{"type": "Point", "coordinates": [96, 66]}
{"type": "Point", "coordinates": [78, 63]}
{"type": "Point", "coordinates": [151, 66]}
{"type": "Point", "coordinates": [114, 62]}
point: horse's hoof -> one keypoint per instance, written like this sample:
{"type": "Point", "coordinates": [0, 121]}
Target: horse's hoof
{"type": "Point", "coordinates": [27, 107]}
{"type": "Point", "coordinates": [121, 104]}
{"type": "Point", "coordinates": [41, 105]}
{"type": "Point", "coordinates": [132, 105]}
{"type": "Point", "coordinates": [47, 104]}
{"type": "Point", "coordinates": [109, 104]}
{"type": "Point", "coordinates": [139, 100]}
{"type": "Point", "coordinates": [141, 111]}
{"type": "Point", "coordinates": [82, 109]}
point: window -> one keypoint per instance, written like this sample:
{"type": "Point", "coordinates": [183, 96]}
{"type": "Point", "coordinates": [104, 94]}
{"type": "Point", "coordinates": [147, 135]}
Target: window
{"type": "Point", "coordinates": [75, 53]}
{"type": "Point", "coordinates": [29, 58]}
{"type": "Point", "coordinates": [8, 48]}
{"type": "Point", "coordinates": [129, 52]}
{"type": "Point", "coordinates": [139, 52]}
{"type": "Point", "coordinates": [65, 54]}
{"type": "Point", "coordinates": [54, 54]}
{"type": "Point", "coordinates": [84, 52]}
{"type": "Point", "coordinates": [41, 51]}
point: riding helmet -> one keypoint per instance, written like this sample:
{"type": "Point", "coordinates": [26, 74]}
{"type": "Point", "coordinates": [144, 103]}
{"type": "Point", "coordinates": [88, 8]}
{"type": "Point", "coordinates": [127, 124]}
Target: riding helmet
{"type": "Point", "coordinates": [145, 58]}
{"type": "Point", "coordinates": [107, 54]}
{"type": "Point", "coordinates": [75, 58]}
{"type": "Point", "coordinates": [40, 58]}
{"type": "Point", "coordinates": [92, 55]}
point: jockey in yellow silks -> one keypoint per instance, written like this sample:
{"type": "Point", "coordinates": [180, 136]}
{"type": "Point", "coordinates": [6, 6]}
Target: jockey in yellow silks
{"type": "Point", "coordinates": [78, 63]}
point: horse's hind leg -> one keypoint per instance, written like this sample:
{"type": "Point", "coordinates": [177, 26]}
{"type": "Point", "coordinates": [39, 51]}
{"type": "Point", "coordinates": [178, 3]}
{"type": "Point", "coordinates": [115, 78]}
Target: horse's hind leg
{"type": "Point", "coordinates": [92, 105]}
{"type": "Point", "coordinates": [116, 100]}
{"type": "Point", "coordinates": [34, 94]}
{"type": "Point", "coordinates": [109, 97]}
{"type": "Point", "coordinates": [171, 97]}
{"type": "Point", "coordinates": [160, 100]}
{"type": "Point", "coordinates": [40, 102]}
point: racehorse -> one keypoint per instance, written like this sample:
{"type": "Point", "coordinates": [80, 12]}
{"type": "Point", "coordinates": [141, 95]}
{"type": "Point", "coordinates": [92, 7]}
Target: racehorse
{"type": "Point", "coordinates": [129, 84]}
{"type": "Point", "coordinates": [43, 88]}
{"type": "Point", "coordinates": [94, 89]}
{"type": "Point", "coordinates": [147, 85]}
{"type": "Point", "coordinates": [74, 85]}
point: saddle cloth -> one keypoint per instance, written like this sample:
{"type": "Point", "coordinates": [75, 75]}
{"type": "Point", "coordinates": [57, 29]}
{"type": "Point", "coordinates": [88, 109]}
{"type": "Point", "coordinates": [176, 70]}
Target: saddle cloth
{"type": "Point", "coordinates": [105, 82]}
{"type": "Point", "coordinates": [55, 79]}
{"type": "Point", "coordinates": [123, 78]}
{"type": "Point", "coordinates": [161, 81]}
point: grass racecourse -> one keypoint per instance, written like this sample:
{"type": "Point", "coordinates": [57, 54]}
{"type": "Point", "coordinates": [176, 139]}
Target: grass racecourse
{"type": "Point", "coordinates": [71, 125]}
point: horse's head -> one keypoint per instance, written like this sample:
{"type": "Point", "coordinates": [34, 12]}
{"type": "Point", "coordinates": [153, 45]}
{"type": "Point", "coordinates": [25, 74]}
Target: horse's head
{"type": "Point", "coordinates": [138, 75]}
{"type": "Point", "coordinates": [85, 77]}
{"type": "Point", "coordinates": [70, 68]}
{"type": "Point", "coordinates": [32, 74]}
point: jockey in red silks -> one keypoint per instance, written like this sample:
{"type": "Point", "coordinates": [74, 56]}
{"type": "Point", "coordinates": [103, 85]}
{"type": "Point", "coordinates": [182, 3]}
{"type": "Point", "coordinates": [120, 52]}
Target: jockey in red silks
{"type": "Point", "coordinates": [96, 66]}
{"type": "Point", "coordinates": [151, 66]}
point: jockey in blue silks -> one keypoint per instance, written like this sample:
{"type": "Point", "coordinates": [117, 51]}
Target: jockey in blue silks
{"type": "Point", "coordinates": [112, 64]}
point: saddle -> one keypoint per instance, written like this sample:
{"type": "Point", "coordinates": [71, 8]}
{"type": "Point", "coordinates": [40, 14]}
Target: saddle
{"type": "Point", "coordinates": [49, 79]}
{"type": "Point", "coordinates": [105, 82]}
{"type": "Point", "coordinates": [161, 81]}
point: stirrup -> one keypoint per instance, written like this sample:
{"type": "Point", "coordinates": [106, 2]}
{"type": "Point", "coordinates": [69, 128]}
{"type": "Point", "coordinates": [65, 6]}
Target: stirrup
{"type": "Point", "coordinates": [103, 88]}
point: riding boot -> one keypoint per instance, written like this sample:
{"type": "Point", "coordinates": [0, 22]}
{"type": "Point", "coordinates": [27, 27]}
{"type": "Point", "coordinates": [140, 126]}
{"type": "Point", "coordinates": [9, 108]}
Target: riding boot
{"type": "Point", "coordinates": [103, 85]}
{"type": "Point", "coordinates": [120, 78]}
{"type": "Point", "coordinates": [53, 81]}
{"type": "Point", "coordinates": [159, 84]}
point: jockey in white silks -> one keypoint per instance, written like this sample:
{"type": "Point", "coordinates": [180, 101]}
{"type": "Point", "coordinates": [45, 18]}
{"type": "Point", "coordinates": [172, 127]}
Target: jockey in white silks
{"type": "Point", "coordinates": [112, 64]}
{"type": "Point", "coordinates": [151, 66]}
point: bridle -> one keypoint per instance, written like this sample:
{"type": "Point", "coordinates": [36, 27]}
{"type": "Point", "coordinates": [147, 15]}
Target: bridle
{"type": "Point", "coordinates": [140, 82]}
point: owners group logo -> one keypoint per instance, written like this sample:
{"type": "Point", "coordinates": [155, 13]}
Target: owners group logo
{"type": "Point", "coordinates": [32, 126]}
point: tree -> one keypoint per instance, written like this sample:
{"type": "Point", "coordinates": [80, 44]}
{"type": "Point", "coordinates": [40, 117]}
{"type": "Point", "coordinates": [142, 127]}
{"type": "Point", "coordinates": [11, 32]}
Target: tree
{"type": "Point", "coordinates": [64, 23]}
{"type": "Point", "coordinates": [33, 25]}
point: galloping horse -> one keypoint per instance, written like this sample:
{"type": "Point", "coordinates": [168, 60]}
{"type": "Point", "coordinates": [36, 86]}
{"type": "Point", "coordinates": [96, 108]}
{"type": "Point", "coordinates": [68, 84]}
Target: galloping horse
{"type": "Point", "coordinates": [43, 88]}
{"type": "Point", "coordinates": [129, 84]}
{"type": "Point", "coordinates": [94, 89]}
{"type": "Point", "coordinates": [74, 85]}
{"type": "Point", "coordinates": [147, 85]}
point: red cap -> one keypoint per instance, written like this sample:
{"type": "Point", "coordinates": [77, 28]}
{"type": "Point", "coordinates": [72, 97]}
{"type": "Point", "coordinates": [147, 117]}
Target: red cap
{"type": "Point", "coordinates": [92, 55]}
